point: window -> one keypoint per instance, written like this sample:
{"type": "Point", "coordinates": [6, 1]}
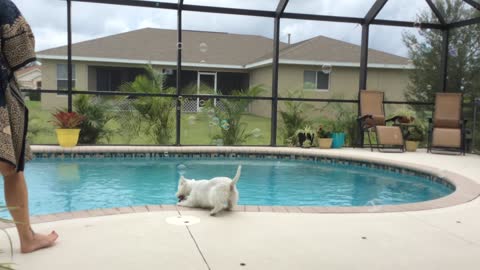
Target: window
{"type": "Point", "coordinates": [62, 77]}
{"type": "Point", "coordinates": [315, 80]}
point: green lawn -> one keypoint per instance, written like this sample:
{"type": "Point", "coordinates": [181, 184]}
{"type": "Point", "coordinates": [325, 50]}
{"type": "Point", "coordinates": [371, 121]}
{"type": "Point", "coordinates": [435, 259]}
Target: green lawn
{"type": "Point", "coordinates": [195, 129]}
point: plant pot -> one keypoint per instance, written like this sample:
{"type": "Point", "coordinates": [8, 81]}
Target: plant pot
{"type": "Point", "coordinates": [325, 143]}
{"type": "Point", "coordinates": [67, 137]}
{"type": "Point", "coordinates": [301, 138]}
{"type": "Point", "coordinates": [338, 140]}
{"type": "Point", "coordinates": [411, 146]}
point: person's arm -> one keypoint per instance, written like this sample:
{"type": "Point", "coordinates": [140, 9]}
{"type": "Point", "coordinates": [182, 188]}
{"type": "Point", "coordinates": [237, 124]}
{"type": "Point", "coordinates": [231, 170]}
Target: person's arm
{"type": "Point", "coordinates": [18, 43]}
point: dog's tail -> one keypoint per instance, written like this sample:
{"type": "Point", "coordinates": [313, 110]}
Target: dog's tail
{"type": "Point", "coordinates": [237, 176]}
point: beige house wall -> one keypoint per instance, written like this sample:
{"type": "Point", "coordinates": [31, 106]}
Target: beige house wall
{"type": "Point", "coordinates": [343, 84]}
{"type": "Point", "coordinates": [49, 77]}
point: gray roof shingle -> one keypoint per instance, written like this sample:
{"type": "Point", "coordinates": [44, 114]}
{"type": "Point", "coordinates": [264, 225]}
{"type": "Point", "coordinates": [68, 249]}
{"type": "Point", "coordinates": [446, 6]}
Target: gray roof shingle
{"type": "Point", "coordinates": [222, 48]}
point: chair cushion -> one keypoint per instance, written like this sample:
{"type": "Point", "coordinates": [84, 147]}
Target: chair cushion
{"type": "Point", "coordinates": [447, 137]}
{"type": "Point", "coordinates": [447, 123]}
{"type": "Point", "coordinates": [389, 135]}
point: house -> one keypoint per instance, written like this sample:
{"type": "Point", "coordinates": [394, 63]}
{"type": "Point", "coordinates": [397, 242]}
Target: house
{"type": "Point", "coordinates": [321, 67]}
{"type": "Point", "coordinates": [29, 77]}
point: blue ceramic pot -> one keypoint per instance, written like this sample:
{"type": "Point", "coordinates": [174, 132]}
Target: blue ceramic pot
{"type": "Point", "coordinates": [338, 140]}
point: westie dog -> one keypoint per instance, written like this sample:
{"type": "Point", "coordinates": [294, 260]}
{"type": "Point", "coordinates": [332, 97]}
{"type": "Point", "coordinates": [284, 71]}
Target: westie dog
{"type": "Point", "coordinates": [218, 193]}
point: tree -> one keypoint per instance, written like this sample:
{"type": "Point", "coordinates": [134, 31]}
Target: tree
{"type": "Point", "coordinates": [153, 116]}
{"type": "Point", "coordinates": [463, 60]}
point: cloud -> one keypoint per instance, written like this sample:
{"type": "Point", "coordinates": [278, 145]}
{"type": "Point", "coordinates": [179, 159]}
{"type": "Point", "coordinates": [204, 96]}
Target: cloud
{"type": "Point", "coordinates": [89, 21]}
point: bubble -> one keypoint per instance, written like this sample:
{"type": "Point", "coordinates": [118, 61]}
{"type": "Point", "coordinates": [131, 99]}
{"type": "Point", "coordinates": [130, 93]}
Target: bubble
{"type": "Point", "coordinates": [202, 103]}
{"type": "Point", "coordinates": [181, 169]}
{"type": "Point", "coordinates": [477, 101]}
{"type": "Point", "coordinates": [191, 120]}
{"type": "Point", "coordinates": [452, 51]}
{"type": "Point", "coordinates": [226, 126]}
{"type": "Point", "coordinates": [215, 121]}
{"type": "Point", "coordinates": [256, 133]}
{"type": "Point", "coordinates": [462, 88]}
{"type": "Point", "coordinates": [429, 87]}
{"type": "Point", "coordinates": [203, 47]}
{"type": "Point", "coordinates": [375, 205]}
{"type": "Point", "coordinates": [211, 113]}
{"type": "Point", "coordinates": [327, 69]}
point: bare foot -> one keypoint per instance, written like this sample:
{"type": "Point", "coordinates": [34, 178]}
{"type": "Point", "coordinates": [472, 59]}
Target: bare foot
{"type": "Point", "coordinates": [39, 241]}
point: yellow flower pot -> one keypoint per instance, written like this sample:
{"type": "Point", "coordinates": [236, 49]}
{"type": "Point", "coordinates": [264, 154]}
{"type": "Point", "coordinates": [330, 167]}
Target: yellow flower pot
{"type": "Point", "coordinates": [325, 143]}
{"type": "Point", "coordinates": [411, 146]}
{"type": "Point", "coordinates": [67, 137]}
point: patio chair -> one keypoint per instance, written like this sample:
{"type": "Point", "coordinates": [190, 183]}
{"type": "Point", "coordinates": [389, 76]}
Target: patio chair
{"type": "Point", "coordinates": [372, 119]}
{"type": "Point", "coordinates": [447, 128]}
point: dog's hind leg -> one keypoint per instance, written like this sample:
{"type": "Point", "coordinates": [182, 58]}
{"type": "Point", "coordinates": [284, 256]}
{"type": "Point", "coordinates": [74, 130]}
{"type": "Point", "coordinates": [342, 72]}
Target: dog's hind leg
{"type": "Point", "coordinates": [232, 201]}
{"type": "Point", "coordinates": [216, 209]}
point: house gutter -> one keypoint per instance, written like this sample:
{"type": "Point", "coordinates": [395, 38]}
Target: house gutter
{"type": "Point", "coordinates": [259, 64]}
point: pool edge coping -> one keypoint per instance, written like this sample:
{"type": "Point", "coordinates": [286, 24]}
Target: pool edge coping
{"type": "Point", "coordinates": [466, 189]}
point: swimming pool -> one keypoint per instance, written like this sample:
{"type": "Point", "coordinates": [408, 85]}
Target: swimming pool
{"type": "Point", "coordinates": [64, 185]}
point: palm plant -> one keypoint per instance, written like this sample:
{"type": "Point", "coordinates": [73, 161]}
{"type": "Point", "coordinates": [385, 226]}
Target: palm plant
{"type": "Point", "coordinates": [153, 116]}
{"type": "Point", "coordinates": [98, 112]}
{"type": "Point", "coordinates": [229, 116]}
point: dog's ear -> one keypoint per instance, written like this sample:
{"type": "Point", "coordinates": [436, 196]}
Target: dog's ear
{"type": "Point", "coordinates": [182, 180]}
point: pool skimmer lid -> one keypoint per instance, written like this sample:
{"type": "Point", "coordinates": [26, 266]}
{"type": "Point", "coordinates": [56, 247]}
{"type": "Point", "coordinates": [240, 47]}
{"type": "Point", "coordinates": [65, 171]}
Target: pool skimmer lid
{"type": "Point", "coordinates": [182, 220]}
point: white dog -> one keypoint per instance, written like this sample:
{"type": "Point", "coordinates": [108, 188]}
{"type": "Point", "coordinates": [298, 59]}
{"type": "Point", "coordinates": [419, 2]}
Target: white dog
{"type": "Point", "coordinates": [218, 193]}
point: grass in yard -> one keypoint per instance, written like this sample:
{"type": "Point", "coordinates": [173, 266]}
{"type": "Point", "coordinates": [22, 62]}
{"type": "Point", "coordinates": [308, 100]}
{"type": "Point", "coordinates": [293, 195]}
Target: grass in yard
{"type": "Point", "coordinates": [195, 129]}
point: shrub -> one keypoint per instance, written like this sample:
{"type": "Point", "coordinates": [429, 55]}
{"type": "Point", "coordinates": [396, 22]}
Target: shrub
{"type": "Point", "coordinates": [98, 113]}
{"type": "Point", "coordinates": [228, 117]}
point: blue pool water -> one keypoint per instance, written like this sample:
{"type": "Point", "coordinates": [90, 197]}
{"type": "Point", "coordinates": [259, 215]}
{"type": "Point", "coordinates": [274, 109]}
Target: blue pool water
{"type": "Point", "coordinates": [57, 185]}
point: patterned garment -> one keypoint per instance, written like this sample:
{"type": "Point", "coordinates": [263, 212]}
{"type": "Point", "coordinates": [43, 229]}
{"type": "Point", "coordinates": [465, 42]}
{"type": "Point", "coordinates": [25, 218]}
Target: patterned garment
{"type": "Point", "coordinates": [17, 50]}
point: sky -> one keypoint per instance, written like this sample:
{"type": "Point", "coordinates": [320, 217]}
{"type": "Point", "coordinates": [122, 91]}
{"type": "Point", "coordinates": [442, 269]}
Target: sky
{"type": "Point", "coordinates": [89, 21]}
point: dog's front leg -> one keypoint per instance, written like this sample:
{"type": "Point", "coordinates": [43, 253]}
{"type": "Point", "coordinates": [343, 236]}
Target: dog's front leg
{"type": "Point", "coordinates": [186, 203]}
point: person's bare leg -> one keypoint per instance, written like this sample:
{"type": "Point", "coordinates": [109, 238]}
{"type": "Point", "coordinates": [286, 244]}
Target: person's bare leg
{"type": "Point", "coordinates": [16, 196]}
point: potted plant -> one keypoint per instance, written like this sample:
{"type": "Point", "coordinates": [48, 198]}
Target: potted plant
{"type": "Point", "coordinates": [414, 135]}
{"type": "Point", "coordinates": [324, 138]}
{"type": "Point", "coordinates": [307, 144]}
{"type": "Point", "coordinates": [338, 133]}
{"type": "Point", "coordinates": [305, 134]}
{"type": "Point", "coordinates": [403, 116]}
{"type": "Point", "coordinates": [67, 123]}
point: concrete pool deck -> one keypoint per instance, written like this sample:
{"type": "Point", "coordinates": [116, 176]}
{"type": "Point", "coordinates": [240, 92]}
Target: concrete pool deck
{"type": "Point", "coordinates": [445, 238]}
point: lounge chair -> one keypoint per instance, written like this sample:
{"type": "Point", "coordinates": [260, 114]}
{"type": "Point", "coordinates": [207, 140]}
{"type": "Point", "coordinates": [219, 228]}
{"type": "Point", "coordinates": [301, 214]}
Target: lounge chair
{"type": "Point", "coordinates": [447, 129]}
{"type": "Point", "coordinates": [372, 118]}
